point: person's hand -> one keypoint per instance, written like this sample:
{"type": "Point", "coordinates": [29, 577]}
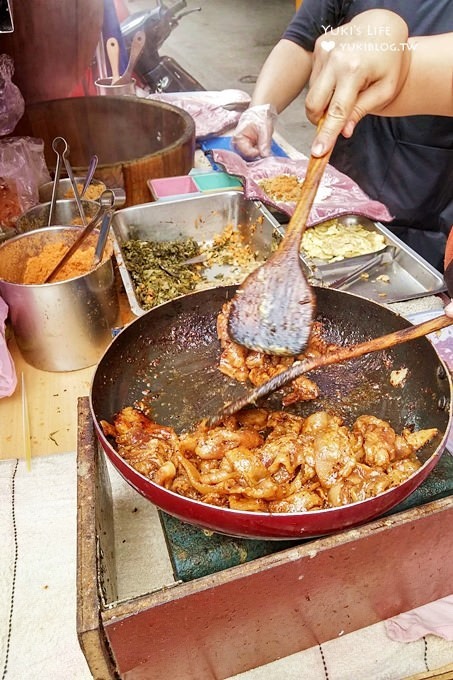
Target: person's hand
{"type": "Point", "coordinates": [253, 134]}
{"type": "Point", "coordinates": [358, 68]}
{"type": "Point", "coordinates": [449, 309]}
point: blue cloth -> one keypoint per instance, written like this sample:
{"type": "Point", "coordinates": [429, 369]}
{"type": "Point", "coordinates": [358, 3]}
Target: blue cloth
{"type": "Point", "coordinates": [225, 143]}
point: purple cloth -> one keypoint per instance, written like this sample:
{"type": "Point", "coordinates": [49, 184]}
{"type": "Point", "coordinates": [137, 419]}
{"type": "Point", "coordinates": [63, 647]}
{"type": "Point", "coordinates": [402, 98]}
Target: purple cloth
{"type": "Point", "coordinates": [342, 195]}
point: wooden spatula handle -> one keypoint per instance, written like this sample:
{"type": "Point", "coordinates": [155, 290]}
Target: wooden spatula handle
{"type": "Point", "coordinates": [336, 357]}
{"type": "Point", "coordinates": [137, 45]}
{"type": "Point", "coordinates": [313, 176]}
{"type": "Point", "coordinates": [113, 53]}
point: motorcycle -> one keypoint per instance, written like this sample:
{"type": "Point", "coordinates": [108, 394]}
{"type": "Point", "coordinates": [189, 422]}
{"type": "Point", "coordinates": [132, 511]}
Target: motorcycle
{"type": "Point", "coordinates": [159, 73]}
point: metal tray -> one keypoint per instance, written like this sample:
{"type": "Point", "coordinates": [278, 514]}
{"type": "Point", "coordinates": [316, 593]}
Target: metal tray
{"type": "Point", "coordinates": [409, 275]}
{"type": "Point", "coordinates": [200, 217]}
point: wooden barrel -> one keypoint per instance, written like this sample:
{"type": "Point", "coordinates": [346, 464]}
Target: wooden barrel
{"type": "Point", "coordinates": [135, 139]}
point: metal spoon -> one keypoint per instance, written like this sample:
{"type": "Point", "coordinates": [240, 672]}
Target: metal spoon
{"type": "Point", "coordinates": [198, 259]}
{"type": "Point", "coordinates": [90, 174]}
{"type": "Point", "coordinates": [103, 235]}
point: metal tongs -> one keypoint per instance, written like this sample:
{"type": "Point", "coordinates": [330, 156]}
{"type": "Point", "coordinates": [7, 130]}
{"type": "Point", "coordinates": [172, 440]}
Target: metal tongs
{"type": "Point", "coordinates": [384, 256]}
{"type": "Point", "coordinates": [103, 232]}
{"type": "Point", "coordinates": [61, 148]}
{"type": "Point", "coordinates": [107, 201]}
{"type": "Point", "coordinates": [326, 272]}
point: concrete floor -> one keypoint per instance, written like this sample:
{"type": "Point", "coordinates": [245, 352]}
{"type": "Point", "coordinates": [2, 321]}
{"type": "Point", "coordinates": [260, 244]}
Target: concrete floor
{"type": "Point", "coordinates": [225, 44]}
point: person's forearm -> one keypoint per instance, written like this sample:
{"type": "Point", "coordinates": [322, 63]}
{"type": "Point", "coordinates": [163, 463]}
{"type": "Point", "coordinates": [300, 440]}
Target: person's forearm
{"type": "Point", "coordinates": [428, 88]}
{"type": "Point", "coordinates": [283, 76]}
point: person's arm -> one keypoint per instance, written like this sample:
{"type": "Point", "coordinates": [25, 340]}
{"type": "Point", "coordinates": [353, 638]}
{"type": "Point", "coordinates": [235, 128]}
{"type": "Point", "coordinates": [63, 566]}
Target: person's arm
{"type": "Point", "coordinates": [428, 88]}
{"type": "Point", "coordinates": [284, 75]}
{"type": "Point", "coordinates": [282, 78]}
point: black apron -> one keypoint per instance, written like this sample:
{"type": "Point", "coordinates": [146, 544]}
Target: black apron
{"type": "Point", "coordinates": [414, 180]}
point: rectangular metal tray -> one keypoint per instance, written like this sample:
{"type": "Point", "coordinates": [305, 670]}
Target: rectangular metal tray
{"type": "Point", "coordinates": [200, 217]}
{"type": "Point", "coordinates": [409, 275]}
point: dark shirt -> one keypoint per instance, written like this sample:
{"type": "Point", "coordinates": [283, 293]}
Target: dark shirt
{"type": "Point", "coordinates": [405, 162]}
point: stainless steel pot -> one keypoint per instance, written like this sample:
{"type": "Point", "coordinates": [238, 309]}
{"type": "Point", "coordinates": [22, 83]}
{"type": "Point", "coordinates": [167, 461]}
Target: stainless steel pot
{"type": "Point", "coordinates": [65, 213]}
{"type": "Point", "coordinates": [61, 326]}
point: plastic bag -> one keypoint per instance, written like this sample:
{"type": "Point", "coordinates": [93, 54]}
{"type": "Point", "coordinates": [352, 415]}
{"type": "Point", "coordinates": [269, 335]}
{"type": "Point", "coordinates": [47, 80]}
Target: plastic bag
{"type": "Point", "coordinates": [337, 195]}
{"type": "Point", "coordinates": [213, 112]}
{"type": "Point", "coordinates": [12, 103]}
{"type": "Point", "coordinates": [8, 378]}
{"type": "Point", "coordinates": [22, 171]}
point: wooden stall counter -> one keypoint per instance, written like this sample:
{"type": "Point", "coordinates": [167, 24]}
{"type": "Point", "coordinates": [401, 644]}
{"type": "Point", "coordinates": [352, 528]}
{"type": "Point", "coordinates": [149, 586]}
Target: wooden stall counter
{"type": "Point", "coordinates": [52, 404]}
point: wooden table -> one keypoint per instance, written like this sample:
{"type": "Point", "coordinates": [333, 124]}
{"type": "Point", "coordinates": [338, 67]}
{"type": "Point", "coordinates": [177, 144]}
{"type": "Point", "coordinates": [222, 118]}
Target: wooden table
{"type": "Point", "coordinates": [52, 404]}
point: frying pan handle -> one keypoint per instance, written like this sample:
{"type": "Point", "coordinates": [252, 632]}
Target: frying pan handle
{"type": "Point", "coordinates": [334, 357]}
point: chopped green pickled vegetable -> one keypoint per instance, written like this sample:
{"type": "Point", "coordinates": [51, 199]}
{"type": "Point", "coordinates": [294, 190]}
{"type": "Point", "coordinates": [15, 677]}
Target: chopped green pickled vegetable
{"type": "Point", "coordinates": [156, 270]}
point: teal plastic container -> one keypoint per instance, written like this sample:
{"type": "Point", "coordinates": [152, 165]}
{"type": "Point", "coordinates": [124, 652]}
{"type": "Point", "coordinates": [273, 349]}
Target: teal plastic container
{"type": "Point", "coordinates": [216, 181]}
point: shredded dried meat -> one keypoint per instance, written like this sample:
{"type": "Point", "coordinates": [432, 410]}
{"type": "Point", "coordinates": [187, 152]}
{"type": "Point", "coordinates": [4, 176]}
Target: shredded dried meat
{"type": "Point", "coordinates": [286, 188]}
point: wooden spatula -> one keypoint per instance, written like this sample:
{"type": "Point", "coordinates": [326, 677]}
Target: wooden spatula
{"type": "Point", "coordinates": [334, 357]}
{"type": "Point", "coordinates": [137, 46]}
{"type": "Point", "coordinates": [113, 53]}
{"type": "Point", "coordinates": [273, 309]}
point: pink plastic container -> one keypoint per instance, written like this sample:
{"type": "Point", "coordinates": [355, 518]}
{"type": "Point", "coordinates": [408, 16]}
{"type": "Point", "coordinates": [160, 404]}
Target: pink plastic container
{"type": "Point", "coordinates": [167, 188]}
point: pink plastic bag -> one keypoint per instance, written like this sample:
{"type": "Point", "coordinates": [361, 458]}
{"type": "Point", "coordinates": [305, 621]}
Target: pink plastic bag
{"type": "Point", "coordinates": [435, 618]}
{"type": "Point", "coordinates": [8, 378]}
{"type": "Point", "coordinates": [213, 112]}
{"type": "Point", "coordinates": [337, 195]}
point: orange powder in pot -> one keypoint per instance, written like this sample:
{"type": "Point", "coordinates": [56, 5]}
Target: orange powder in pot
{"type": "Point", "coordinates": [38, 267]}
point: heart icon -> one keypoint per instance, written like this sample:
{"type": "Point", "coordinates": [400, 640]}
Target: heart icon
{"type": "Point", "coordinates": [327, 45]}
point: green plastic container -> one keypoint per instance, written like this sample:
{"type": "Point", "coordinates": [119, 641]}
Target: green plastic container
{"type": "Point", "coordinates": [216, 181]}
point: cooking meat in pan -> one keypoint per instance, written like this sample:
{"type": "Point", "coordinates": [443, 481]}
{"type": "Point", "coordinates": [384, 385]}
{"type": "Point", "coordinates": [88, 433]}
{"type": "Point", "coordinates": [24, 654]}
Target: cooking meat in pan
{"type": "Point", "coordinates": [271, 461]}
{"type": "Point", "coordinates": [166, 365]}
{"type": "Point", "coordinates": [243, 364]}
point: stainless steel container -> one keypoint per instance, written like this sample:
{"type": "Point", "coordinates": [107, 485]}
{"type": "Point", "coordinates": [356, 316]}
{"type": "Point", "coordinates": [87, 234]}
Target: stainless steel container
{"type": "Point", "coordinates": [104, 87]}
{"type": "Point", "coordinates": [64, 186]}
{"type": "Point", "coordinates": [66, 212]}
{"type": "Point", "coordinates": [61, 326]}
{"type": "Point", "coordinates": [202, 218]}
